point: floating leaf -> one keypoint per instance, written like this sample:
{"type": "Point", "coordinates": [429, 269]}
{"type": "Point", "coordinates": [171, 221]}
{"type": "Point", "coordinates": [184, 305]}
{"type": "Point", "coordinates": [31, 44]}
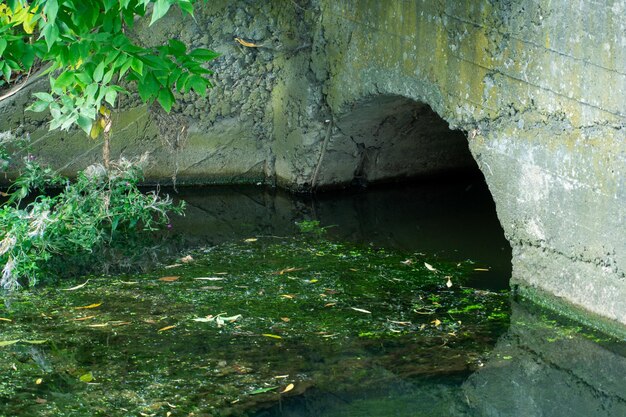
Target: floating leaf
{"type": "Point", "coordinates": [329, 304]}
{"type": "Point", "coordinates": [407, 262]}
{"type": "Point", "coordinates": [3, 319]}
{"type": "Point", "coordinates": [35, 342]}
{"type": "Point", "coordinates": [481, 269]}
{"type": "Point", "coordinates": [167, 328]}
{"type": "Point", "coordinates": [210, 279]}
{"type": "Point", "coordinates": [186, 259]}
{"type": "Point", "coordinates": [38, 381]}
{"type": "Point", "coordinates": [250, 240]}
{"type": "Point", "coordinates": [401, 323]}
{"type": "Point", "coordinates": [449, 283]}
{"type": "Point", "coordinates": [287, 388]}
{"type": "Point", "coordinates": [98, 325]}
{"type": "Point", "coordinates": [83, 318]}
{"type": "Point", "coordinates": [76, 287]}
{"type": "Point", "coordinates": [360, 310]}
{"type": "Point", "coordinates": [313, 281]}
{"type": "Point", "coordinates": [429, 267]}
{"type": "Point", "coordinates": [206, 319]}
{"type": "Point", "coordinates": [96, 305]}
{"type": "Point", "coordinates": [220, 320]}
{"type": "Point", "coordinates": [8, 342]}
{"type": "Point", "coordinates": [169, 279]}
{"type": "Point", "coordinates": [285, 270]}
{"type": "Point", "coordinates": [273, 336]}
{"type": "Point", "coordinates": [436, 322]}
{"type": "Point", "coordinates": [290, 296]}
{"type": "Point", "coordinates": [285, 319]}
{"type": "Point", "coordinates": [173, 266]}
{"type": "Point", "coordinates": [88, 377]}
{"type": "Point", "coordinates": [262, 390]}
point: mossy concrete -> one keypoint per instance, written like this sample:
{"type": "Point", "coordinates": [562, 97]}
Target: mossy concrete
{"type": "Point", "coordinates": [537, 88]}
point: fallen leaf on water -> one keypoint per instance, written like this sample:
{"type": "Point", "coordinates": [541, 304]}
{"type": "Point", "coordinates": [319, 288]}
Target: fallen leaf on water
{"type": "Point", "coordinates": [186, 259]}
{"type": "Point", "coordinates": [98, 325]}
{"type": "Point", "coordinates": [287, 388]}
{"type": "Point", "coordinates": [89, 306]}
{"type": "Point", "coordinates": [281, 376]}
{"type": "Point", "coordinates": [429, 267]}
{"type": "Point", "coordinates": [35, 342]}
{"type": "Point", "coordinates": [221, 273]}
{"type": "Point", "coordinates": [285, 319]}
{"type": "Point", "coordinates": [166, 328]}
{"type": "Point", "coordinates": [436, 322]}
{"type": "Point", "coordinates": [121, 323]}
{"type": "Point", "coordinates": [210, 279]}
{"type": "Point", "coordinates": [407, 262]}
{"type": "Point", "coordinates": [287, 296]}
{"type": "Point", "coordinates": [38, 381]}
{"type": "Point", "coordinates": [3, 319]}
{"type": "Point", "coordinates": [128, 282]}
{"type": "Point", "coordinates": [8, 342]}
{"type": "Point", "coordinates": [83, 318]}
{"type": "Point", "coordinates": [354, 270]}
{"type": "Point", "coordinates": [481, 269]}
{"type": "Point", "coordinates": [172, 266]}
{"type": "Point", "coordinates": [221, 320]}
{"type": "Point", "coordinates": [449, 283]}
{"type": "Point", "coordinates": [330, 335]}
{"type": "Point", "coordinates": [285, 270]}
{"type": "Point", "coordinates": [211, 287]}
{"type": "Point", "coordinates": [313, 281]}
{"type": "Point", "coordinates": [262, 390]}
{"type": "Point", "coordinates": [361, 310]}
{"type": "Point", "coordinates": [206, 319]}
{"type": "Point", "coordinates": [88, 377]}
{"type": "Point", "coordinates": [329, 304]}
{"type": "Point", "coordinates": [169, 279]}
{"type": "Point", "coordinates": [273, 336]}
{"type": "Point", "coordinates": [250, 240]}
{"type": "Point", "coordinates": [401, 323]}
{"type": "Point", "coordinates": [76, 287]}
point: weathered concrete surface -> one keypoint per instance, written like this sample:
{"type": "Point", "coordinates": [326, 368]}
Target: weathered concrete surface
{"type": "Point", "coordinates": [539, 370]}
{"type": "Point", "coordinates": [342, 91]}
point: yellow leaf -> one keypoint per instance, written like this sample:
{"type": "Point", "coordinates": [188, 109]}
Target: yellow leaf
{"type": "Point", "coordinates": [287, 296]}
{"type": "Point", "coordinates": [273, 336]}
{"type": "Point", "coordinates": [285, 270]}
{"type": "Point", "coordinates": [436, 322]}
{"type": "Point", "coordinates": [481, 269]}
{"type": "Point", "coordinates": [96, 129]}
{"type": "Point", "coordinates": [329, 304]}
{"type": "Point", "coordinates": [429, 267]}
{"type": "Point", "coordinates": [103, 110]}
{"type": "Point", "coordinates": [3, 319]}
{"type": "Point", "coordinates": [250, 240]}
{"type": "Point", "coordinates": [313, 281]}
{"type": "Point", "coordinates": [98, 325]}
{"type": "Point", "coordinates": [88, 377]}
{"type": "Point", "coordinates": [285, 319]}
{"type": "Point", "coordinates": [89, 306]}
{"type": "Point", "coordinates": [246, 43]}
{"type": "Point", "coordinates": [287, 388]}
{"type": "Point", "coordinates": [166, 328]}
{"type": "Point", "coordinates": [39, 381]}
{"type": "Point", "coordinates": [169, 279]}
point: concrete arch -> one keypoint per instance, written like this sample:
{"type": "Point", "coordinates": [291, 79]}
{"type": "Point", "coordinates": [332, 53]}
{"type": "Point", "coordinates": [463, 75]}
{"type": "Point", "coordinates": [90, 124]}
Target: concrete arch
{"type": "Point", "coordinates": [389, 137]}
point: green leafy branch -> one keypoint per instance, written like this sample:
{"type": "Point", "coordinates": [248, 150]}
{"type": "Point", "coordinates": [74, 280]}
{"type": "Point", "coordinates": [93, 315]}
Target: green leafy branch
{"type": "Point", "coordinates": [84, 48]}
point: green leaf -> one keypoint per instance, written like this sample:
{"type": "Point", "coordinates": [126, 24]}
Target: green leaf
{"type": "Point", "coordinates": [50, 10]}
{"type": "Point", "coordinates": [8, 342]}
{"type": "Point", "coordinates": [166, 99]}
{"type": "Point", "coordinates": [160, 8]}
{"type": "Point", "coordinates": [36, 342]}
{"type": "Point", "coordinates": [6, 71]}
{"type": "Point", "coordinates": [50, 33]}
{"type": "Point", "coordinates": [177, 47]}
{"type": "Point", "coordinates": [44, 97]}
{"type": "Point", "coordinates": [108, 4]}
{"type": "Point", "coordinates": [98, 73]}
{"type": "Point", "coordinates": [137, 65]}
{"type": "Point", "coordinates": [3, 45]}
{"type": "Point", "coordinates": [110, 96]}
{"type": "Point", "coordinates": [84, 123]}
{"type": "Point", "coordinates": [64, 80]}
{"type": "Point", "coordinates": [88, 377]}
{"type": "Point", "coordinates": [108, 76]}
{"type": "Point", "coordinates": [38, 106]}
{"type": "Point", "coordinates": [198, 84]}
{"type": "Point", "coordinates": [186, 7]}
{"type": "Point", "coordinates": [262, 390]}
{"type": "Point", "coordinates": [203, 54]}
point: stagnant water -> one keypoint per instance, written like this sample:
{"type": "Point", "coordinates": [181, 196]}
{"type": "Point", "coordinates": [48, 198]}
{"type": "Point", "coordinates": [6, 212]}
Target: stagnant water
{"type": "Point", "coordinates": [395, 304]}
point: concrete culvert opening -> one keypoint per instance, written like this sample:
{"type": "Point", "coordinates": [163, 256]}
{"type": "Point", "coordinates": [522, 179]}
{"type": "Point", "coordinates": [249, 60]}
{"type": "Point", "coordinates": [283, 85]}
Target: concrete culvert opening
{"type": "Point", "coordinates": [392, 138]}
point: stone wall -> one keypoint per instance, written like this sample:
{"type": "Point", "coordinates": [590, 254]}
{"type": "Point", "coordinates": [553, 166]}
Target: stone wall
{"type": "Point", "coordinates": [367, 90]}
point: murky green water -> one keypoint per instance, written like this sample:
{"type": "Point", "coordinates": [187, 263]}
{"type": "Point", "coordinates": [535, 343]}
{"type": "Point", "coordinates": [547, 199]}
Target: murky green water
{"type": "Point", "coordinates": [401, 313]}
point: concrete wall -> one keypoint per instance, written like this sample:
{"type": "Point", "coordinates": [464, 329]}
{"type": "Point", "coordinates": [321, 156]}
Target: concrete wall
{"type": "Point", "coordinates": [538, 88]}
